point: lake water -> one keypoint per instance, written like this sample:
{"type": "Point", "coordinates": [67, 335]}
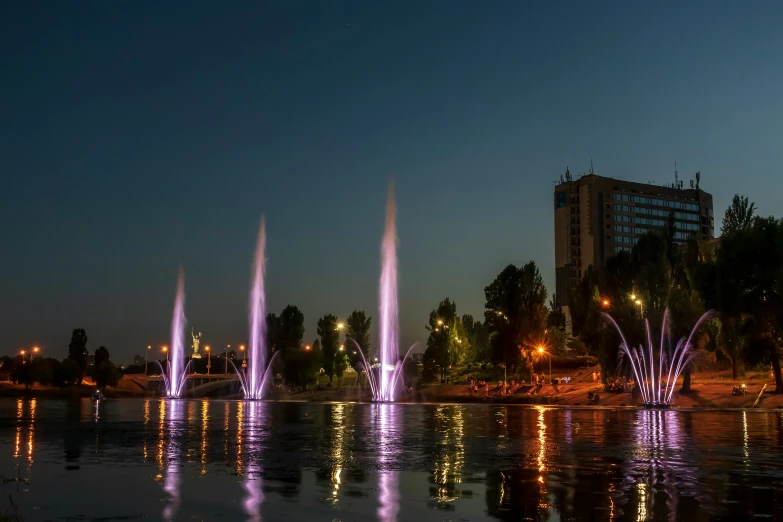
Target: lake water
{"type": "Point", "coordinates": [213, 460]}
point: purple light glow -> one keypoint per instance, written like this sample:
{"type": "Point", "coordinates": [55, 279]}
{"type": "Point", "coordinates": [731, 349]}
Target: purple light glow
{"type": "Point", "coordinates": [177, 370]}
{"type": "Point", "coordinates": [257, 350]}
{"type": "Point", "coordinates": [670, 363]}
{"type": "Point", "coordinates": [388, 480]}
{"type": "Point", "coordinates": [253, 471]}
{"type": "Point", "coordinates": [384, 385]}
{"type": "Point", "coordinates": [171, 481]}
{"type": "Point", "coordinates": [389, 326]}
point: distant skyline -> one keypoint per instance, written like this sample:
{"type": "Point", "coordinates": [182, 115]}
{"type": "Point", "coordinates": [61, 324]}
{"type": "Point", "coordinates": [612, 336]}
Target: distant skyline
{"type": "Point", "coordinates": [137, 136]}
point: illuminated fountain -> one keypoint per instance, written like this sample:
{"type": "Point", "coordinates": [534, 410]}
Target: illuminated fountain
{"type": "Point", "coordinates": [383, 386]}
{"type": "Point", "coordinates": [254, 381]}
{"type": "Point", "coordinates": [176, 372]}
{"type": "Point", "coordinates": [656, 382]}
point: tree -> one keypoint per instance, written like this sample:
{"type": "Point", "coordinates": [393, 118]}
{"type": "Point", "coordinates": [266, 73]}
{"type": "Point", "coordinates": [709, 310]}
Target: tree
{"type": "Point", "coordinates": [102, 370]}
{"type": "Point", "coordinates": [101, 354]}
{"type": "Point", "coordinates": [357, 327]}
{"type": "Point", "coordinates": [749, 289]}
{"type": "Point", "coordinates": [77, 351]}
{"type": "Point", "coordinates": [557, 336]}
{"type": "Point", "coordinates": [442, 325]}
{"type": "Point", "coordinates": [272, 332]}
{"type": "Point", "coordinates": [330, 342]}
{"type": "Point", "coordinates": [340, 365]}
{"type": "Point", "coordinates": [478, 338]}
{"type": "Point", "coordinates": [308, 364]}
{"type": "Point", "coordinates": [739, 215]}
{"type": "Point", "coordinates": [289, 335]}
{"type": "Point", "coordinates": [515, 314]}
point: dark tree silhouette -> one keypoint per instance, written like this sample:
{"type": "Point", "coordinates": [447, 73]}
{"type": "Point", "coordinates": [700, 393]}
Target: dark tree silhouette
{"type": "Point", "coordinates": [77, 351]}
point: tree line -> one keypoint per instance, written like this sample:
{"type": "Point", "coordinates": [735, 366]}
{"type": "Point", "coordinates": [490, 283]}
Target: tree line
{"type": "Point", "coordinates": [739, 276]}
{"type": "Point", "coordinates": [69, 371]}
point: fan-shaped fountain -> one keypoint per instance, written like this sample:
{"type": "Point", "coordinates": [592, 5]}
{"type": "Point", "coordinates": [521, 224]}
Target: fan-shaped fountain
{"type": "Point", "coordinates": [656, 382]}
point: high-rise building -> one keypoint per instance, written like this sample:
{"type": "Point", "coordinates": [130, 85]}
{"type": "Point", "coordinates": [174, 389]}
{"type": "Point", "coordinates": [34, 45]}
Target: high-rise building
{"type": "Point", "coordinates": [597, 217]}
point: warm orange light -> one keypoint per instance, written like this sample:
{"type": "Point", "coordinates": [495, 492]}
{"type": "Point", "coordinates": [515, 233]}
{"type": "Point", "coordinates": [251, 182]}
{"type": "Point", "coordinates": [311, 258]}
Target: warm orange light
{"type": "Point", "coordinates": [440, 322]}
{"type": "Point", "coordinates": [21, 352]}
{"type": "Point", "coordinates": [605, 303]}
{"type": "Point", "coordinates": [149, 347]}
{"type": "Point", "coordinates": [307, 347]}
{"type": "Point", "coordinates": [206, 348]}
{"type": "Point", "coordinates": [165, 348]}
{"type": "Point", "coordinates": [540, 349]}
{"type": "Point", "coordinates": [340, 326]}
{"type": "Point", "coordinates": [35, 349]}
{"type": "Point", "coordinates": [241, 346]}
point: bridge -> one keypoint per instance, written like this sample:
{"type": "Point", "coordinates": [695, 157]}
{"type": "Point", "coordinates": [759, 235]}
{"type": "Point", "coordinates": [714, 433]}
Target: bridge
{"type": "Point", "coordinates": [197, 384]}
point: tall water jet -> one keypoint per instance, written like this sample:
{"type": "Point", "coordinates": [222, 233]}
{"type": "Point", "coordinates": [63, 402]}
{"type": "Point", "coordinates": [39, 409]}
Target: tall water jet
{"type": "Point", "coordinates": [389, 324]}
{"type": "Point", "coordinates": [384, 385]}
{"type": "Point", "coordinates": [254, 381]}
{"type": "Point", "coordinates": [656, 382]}
{"type": "Point", "coordinates": [176, 375]}
{"type": "Point", "coordinates": [257, 349]}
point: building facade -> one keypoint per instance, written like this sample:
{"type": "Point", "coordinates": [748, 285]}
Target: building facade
{"type": "Point", "coordinates": [597, 217]}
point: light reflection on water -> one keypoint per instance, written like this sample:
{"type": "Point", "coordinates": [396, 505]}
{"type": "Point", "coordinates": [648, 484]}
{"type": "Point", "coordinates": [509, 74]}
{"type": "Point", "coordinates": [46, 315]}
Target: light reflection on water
{"type": "Point", "coordinates": [294, 461]}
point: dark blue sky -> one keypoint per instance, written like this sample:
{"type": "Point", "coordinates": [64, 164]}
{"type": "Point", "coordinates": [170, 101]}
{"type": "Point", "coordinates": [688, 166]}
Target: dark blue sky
{"type": "Point", "coordinates": [138, 135]}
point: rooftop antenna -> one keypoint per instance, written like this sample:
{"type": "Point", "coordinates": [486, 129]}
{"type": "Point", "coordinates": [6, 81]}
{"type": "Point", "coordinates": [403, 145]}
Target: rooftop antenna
{"type": "Point", "coordinates": [676, 176]}
{"type": "Point", "coordinates": [698, 178]}
{"type": "Point", "coordinates": [591, 166]}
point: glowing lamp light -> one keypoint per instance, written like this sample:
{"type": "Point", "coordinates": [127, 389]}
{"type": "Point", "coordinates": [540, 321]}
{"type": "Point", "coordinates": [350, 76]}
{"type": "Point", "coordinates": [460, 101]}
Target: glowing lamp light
{"type": "Point", "coordinates": [307, 347]}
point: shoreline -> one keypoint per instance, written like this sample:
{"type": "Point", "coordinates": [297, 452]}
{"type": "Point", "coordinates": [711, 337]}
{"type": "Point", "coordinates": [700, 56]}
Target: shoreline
{"type": "Point", "coordinates": [703, 396]}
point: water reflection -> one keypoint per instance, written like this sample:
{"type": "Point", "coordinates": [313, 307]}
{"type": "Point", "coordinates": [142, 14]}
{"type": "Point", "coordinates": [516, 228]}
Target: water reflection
{"type": "Point", "coordinates": [450, 456]}
{"type": "Point", "coordinates": [25, 426]}
{"type": "Point", "coordinates": [388, 448]}
{"type": "Point", "coordinates": [255, 420]}
{"type": "Point", "coordinates": [171, 481]}
{"type": "Point", "coordinates": [477, 462]}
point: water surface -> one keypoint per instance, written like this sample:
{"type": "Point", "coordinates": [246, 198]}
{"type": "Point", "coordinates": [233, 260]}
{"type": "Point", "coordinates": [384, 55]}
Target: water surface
{"type": "Point", "coordinates": [213, 460]}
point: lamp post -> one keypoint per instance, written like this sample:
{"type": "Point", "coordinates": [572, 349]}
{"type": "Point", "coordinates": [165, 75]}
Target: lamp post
{"type": "Point", "coordinates": [34, 352]}
{"type": "Point", "coordinates": [145, 358]}
{"type": "Point", "coordinates": [22, 352]}
{"type": "Point", "coordinates": [209, 358]}
{"type": "Point", "coordinates": [166, 351]}
{"type": "Point", "coordinates": [542, 352]}
{"type": "Point", "coordinates": [242, 349]}
{"type": "Point", "coordinates": [225, 356]}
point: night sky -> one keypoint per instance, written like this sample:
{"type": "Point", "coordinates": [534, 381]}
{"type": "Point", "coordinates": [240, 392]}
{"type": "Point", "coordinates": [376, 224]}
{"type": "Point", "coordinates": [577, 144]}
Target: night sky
{"type": "Point", "coordinates": [138, 135]}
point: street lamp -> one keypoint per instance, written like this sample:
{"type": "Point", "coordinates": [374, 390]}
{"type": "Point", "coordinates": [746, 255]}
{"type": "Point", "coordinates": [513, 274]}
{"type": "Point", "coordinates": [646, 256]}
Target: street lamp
{"type": "Point", "coordinates": [22, 352]}
{"type": "Point", "coordinates": [542, 352]}
{"type": "Point", "coordinates": [145, 358]}
{"type": "Point", "coordinates": [225, 355]}
{"type": "Point", "coordinates": [242, 349]}
{"type": "Point", "coordinates": [340, 326]}
{"type": "Point", "coordinates": [166, 351]}
{"type": "Point", "coordinates": [307, 347]}
{"type": "Point", "coordinates": [209, 358]}
{"type": "Point", "coordinates": [35, 351]}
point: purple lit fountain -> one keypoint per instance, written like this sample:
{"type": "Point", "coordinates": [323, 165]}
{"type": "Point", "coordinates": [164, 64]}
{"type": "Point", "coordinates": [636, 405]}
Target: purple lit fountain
{"type": "Point", "coordinates": [254, 381]}
{"type": "Point", "coordinates": [383, 385]}
{"type": "Point", "coordinates": [176, 370]}
{"type": "Point", "coordinates": [656, 382]}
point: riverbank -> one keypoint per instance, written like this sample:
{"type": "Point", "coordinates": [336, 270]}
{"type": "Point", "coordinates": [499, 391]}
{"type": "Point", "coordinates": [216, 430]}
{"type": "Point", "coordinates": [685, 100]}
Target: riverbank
{"type": "Point", "coordinates": [708, 394]}
{"type": "Point", "coordinates": [18, 391]}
